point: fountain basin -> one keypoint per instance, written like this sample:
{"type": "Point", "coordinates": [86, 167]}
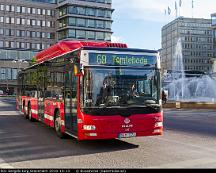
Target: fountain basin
{"type": "Point", "coordinates": [190, 105]}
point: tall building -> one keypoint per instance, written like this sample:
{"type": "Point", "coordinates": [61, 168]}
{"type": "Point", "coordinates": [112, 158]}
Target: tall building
{"type": "Point", "coordinates": [26, 27]}
{"type": "Point", "coordinates": [29, 26]}
{"type": "Point", "coordinates": [85, 20]}
{"type": "Point", "coordinates": [213, 17]}
{"type": "Point", "coordinates": [197, 43]}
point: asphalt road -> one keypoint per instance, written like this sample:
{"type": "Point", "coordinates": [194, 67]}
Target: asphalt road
{"type": "Point", "coordinates": [189, 141]}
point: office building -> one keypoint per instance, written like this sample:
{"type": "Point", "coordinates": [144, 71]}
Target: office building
{"type": "Point", "coordinates": [29, 26]}
{"type": "Point", "coordinates": [197, 43]}
{"type": "Point", "coordinates": [213, 22]}
{"type": "Point", "coordinates": [213, 18]}
{"type": "Point", "coordinates": [85, 20]}
{"type": "Point", "coordinates": [26, 27]}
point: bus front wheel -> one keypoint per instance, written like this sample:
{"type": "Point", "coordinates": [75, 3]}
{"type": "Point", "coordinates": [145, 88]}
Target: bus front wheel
{"type": "Point", "coordinates": [57, 125]}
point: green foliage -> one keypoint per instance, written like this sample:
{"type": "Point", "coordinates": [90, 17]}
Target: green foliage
{"type": "Point", "coordinates": [33, 61]}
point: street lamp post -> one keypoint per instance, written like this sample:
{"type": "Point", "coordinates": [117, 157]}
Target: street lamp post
{"type": "Point", "coordinates": [19, 62]}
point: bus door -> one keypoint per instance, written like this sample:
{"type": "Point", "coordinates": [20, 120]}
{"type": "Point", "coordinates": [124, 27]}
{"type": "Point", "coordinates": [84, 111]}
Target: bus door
{"type": "Point", "coordinates": [41, 92]}
{"type": "Point", "coordinates": [40, 105]}
{"type": "Point", "coordinates": [70, 99]}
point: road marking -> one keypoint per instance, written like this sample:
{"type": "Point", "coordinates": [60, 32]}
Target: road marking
{"type": "Point", "coordinates": [4, 165]}
{"type": "Point", "coordinates": [9, 113]}
{"type": "Point", "coordinates": [192, 163]}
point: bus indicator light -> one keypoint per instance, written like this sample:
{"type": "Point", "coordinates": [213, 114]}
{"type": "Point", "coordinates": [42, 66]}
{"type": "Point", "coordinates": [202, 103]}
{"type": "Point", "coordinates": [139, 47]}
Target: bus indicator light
{"type": "Point", "coordinates": [79, 121]}
{"type": "Point", "coordinates": [157, 131]}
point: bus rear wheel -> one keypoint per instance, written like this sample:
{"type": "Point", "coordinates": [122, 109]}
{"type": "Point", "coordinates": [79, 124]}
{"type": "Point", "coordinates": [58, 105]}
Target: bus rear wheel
{"type": "Point", "coordinates": [57, 125]}
{"type": "Point", "coordinates": [30, 113]}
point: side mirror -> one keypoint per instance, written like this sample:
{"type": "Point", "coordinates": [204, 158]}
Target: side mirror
{"type": "Point", "coordinates": [78, 71]}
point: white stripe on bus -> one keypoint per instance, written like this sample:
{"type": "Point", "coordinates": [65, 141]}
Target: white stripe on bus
{"type": "Point", "coordinates": [48, 117]}
{"type": "Point", "coordinates": [34, 111]}
{"type": "Point", "coordinates": [51, 119]}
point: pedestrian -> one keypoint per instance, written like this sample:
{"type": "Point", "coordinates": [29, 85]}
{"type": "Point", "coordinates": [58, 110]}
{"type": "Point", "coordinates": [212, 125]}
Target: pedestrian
{"type": "Point", "coordinates": [164, 97]}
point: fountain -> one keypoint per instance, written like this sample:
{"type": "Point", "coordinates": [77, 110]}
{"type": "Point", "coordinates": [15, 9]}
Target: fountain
{"type": "Point", "coordinates": [188, 89]}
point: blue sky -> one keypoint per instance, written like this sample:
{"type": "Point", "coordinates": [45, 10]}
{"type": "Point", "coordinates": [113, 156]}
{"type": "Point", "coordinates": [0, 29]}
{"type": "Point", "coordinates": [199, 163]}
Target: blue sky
{"type": "Point", "coordinates": [138, 22]}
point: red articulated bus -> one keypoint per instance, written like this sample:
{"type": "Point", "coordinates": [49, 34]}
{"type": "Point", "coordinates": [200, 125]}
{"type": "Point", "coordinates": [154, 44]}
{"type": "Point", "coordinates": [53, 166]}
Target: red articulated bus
{"type": "Point", "coordinates": [94, 90]}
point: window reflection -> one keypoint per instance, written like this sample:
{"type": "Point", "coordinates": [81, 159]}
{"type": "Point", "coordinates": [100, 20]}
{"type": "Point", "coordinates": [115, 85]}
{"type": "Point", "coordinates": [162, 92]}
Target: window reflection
{"type": "Point", "coordinates": [120, 87]}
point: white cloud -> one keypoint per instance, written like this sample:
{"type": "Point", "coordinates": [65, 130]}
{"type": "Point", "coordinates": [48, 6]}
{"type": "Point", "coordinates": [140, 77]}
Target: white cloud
{"type": "Point", "coordinates": [116, 39]}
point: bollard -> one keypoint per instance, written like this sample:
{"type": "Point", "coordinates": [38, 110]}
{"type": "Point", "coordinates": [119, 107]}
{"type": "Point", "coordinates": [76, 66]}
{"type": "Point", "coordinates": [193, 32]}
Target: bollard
{"type": "Point", "coordinates": [178, 105]}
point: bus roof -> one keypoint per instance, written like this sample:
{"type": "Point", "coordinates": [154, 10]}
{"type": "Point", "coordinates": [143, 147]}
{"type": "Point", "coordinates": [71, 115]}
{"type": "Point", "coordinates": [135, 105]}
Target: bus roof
{"type": "Point", "coordinates": [121, 49]}
{"type": "Point", "coordinates": [63, 47]}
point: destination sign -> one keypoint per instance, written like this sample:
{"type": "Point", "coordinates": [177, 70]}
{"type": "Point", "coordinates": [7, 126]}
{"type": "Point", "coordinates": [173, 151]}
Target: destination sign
{"type": "Point", "coordinates": [121, 59]}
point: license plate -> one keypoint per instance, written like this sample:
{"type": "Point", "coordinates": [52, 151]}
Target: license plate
{"type": "Point", "coordinates": [126, 135]}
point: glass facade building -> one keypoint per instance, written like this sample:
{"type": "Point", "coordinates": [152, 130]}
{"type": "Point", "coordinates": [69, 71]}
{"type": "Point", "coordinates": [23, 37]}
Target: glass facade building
{"type": "Point", "coordinates": [8, 73]}
{"type": "Point", "coordinates": [44, 1]}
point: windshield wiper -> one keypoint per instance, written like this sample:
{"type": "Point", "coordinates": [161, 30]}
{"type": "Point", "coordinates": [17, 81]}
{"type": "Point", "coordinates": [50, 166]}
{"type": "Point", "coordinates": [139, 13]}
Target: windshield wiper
{"type": "Point", "coordinates": [147, 65]}
{"type": "Point", "coordinates": [153, 106]}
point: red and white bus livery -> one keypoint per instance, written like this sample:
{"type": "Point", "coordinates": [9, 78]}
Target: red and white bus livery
{"type": "Point", "coordinates": [93, 90]}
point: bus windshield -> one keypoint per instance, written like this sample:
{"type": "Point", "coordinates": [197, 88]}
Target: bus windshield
{"type": "Point", "coordinates": [120, 87]}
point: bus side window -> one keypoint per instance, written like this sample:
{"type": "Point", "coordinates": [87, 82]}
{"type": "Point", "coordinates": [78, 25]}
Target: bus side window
{"type": "Point", "coordinates": [68, 95]}
{"type": "Point", "coordinates": [74, 86]}
{"type": "Point", "coordinates": [47, 94]}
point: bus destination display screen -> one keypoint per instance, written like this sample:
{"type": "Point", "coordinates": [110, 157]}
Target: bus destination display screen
{"type": "Point", "coordinates": [121, 59]}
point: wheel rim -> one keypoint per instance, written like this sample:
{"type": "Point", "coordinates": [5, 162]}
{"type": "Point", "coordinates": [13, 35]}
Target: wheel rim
{"type": "Point", "coordinates": [30, 114]}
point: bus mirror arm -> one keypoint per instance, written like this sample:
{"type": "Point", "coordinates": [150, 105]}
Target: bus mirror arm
{"type": "Point", "coordinates": [78, 71]}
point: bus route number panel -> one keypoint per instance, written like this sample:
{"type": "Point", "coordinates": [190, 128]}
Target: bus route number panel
{"type": "Point", "coordinates": [121, 59]}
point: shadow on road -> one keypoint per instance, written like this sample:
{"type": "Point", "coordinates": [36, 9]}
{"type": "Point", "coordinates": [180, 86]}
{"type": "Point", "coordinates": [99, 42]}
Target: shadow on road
{"type": "Point", "coordinates": [21, 140]}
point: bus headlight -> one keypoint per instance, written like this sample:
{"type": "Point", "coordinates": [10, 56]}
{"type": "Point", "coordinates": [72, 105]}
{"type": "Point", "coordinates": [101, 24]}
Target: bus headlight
{"type": "Point", "coordinates": [159, 124]}
{"type": "Point", "coordinates": [89, 127]}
